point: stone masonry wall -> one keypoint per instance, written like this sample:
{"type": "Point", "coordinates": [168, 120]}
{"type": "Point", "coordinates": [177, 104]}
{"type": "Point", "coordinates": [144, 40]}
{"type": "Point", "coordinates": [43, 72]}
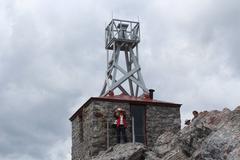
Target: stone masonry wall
{"type": "Point", "coordinates": [81, 135]}
{"type": "Point", "coordinates": [103, 113]}
{"type": "Point", "coordinates": [76, 138]}
{"type": "Point", "coordinates": [160, 119]}
{"type": "Point", "coordinates": [94, 129]}
{"type": "Point", "coordinates": [89, 130]}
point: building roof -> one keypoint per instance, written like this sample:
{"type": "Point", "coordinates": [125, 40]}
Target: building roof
{"type": "Point", "coordinates": [125, 98]}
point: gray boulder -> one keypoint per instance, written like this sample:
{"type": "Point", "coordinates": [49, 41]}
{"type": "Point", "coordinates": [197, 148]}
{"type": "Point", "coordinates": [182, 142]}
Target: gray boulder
{"type": "Point", "coordinates": [127, 151]}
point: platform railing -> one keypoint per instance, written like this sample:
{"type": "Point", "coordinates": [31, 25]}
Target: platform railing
{"type": "Point", "coordinates": [122, 30]}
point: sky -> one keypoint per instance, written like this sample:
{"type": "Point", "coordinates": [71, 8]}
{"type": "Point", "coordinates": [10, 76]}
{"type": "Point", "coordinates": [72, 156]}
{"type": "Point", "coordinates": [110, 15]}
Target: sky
{"type": "Point", "coordinates": [52, 59]}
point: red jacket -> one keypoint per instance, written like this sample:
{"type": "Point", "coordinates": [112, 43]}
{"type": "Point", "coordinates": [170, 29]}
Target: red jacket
{"type": "Point", "coordinates": [124, 122]}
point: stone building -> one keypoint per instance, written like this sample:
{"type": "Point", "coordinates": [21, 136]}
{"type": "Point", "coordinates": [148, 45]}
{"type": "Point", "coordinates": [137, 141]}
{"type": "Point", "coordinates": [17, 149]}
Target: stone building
{"type": "Point", "coordinates": [147, 118]}
{"type": "Point", "coordinates": [92, 129]}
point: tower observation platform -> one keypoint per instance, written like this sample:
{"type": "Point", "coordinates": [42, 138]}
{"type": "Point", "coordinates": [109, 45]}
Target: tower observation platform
{"type": "Point", "coordinates": [122, 32]}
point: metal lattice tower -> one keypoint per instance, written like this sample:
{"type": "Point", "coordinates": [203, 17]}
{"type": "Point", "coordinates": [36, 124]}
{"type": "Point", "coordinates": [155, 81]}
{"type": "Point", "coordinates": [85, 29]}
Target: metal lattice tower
{"type": "Point", "coordinates": [122, 38]}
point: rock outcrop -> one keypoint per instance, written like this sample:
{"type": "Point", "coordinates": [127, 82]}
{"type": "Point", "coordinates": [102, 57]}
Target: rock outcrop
{"type": "Point", "coordinates": [128, 151]}
{"type": "Point", "coordinates": [212, 135]}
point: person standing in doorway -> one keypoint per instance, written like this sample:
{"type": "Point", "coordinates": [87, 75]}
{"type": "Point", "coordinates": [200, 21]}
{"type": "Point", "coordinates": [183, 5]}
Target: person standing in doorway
{"type": "Point", "coordinates": [121, 124]}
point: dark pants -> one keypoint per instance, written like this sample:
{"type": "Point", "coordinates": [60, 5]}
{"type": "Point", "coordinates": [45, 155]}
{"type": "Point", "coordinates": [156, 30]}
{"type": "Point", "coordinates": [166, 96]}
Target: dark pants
{"type": "Point", "coordinates": [121, 131]}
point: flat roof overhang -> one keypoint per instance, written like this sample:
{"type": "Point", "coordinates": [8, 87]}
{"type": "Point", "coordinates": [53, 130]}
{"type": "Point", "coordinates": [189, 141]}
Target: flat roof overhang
{"type": "Point", "coordinates": [125, 99]}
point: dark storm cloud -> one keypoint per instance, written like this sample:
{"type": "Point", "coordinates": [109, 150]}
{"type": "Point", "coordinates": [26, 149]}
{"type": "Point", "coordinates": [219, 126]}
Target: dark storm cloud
{"type": "Point", "coordinates": [52, 59]}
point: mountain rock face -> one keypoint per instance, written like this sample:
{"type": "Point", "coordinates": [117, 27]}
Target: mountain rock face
{"type": "Point", "coordinates": [212, 135]}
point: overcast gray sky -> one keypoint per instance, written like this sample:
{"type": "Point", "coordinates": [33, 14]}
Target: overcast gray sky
{"type": "Point", "coordinates": [52, 59]}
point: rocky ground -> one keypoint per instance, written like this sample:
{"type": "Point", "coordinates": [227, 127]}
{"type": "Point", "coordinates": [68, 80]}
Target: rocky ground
{"type": "Point", "coordinates": [214, 135]}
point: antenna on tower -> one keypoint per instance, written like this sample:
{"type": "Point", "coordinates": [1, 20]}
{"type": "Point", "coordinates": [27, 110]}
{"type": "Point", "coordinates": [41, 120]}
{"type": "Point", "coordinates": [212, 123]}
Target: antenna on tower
{"type": "Point", "coordinates": [121, 40]}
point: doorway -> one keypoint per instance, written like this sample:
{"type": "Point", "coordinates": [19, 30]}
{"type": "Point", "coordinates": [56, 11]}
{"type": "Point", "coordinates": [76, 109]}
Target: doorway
{"type": "Point", "coordinates": [138, 130]}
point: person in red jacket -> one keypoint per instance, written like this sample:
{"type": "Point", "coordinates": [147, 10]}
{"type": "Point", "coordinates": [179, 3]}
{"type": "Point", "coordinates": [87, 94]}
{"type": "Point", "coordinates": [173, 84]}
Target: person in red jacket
{"type": "Point", "coordinates": [121, 124]}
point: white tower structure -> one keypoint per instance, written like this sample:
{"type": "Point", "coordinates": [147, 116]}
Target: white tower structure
{"type": "Point", "coordinates": [121, 41]}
